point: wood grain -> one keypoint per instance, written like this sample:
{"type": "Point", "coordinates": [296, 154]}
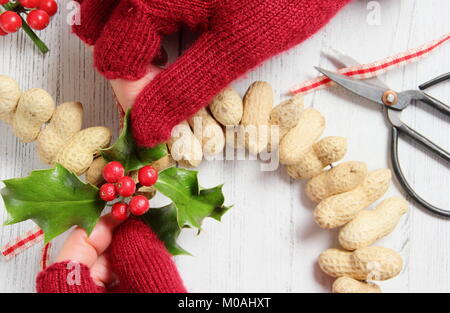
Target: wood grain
{"type": "Point", "coordinates": [269, 242]}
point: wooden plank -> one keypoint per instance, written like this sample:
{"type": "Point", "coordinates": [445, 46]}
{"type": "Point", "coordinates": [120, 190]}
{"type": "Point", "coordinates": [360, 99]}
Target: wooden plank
{"type": "Point", "coordinates": [269, 241]}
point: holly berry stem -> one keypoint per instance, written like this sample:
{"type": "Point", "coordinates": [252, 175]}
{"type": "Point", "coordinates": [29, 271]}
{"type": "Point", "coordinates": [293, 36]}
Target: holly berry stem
{"type": "Point", "coordinates": [30, 33]}
{"type": "Point", "coordinates": [37, 41]}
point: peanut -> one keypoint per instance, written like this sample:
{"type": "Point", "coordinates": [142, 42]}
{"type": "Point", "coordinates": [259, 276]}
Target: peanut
{"type": "Point", "coordinates": [369, 226]}
{"type": "Point", "coordinates": [94, 175]}
{"type": "Point", "coordinates": [227, 107]}
{"type": "Point", "coordinates": [370, 263]}
{"type": "Point", "coordinates": [78, 153]}
{"type": "Point", "coordinates": [314, 159]}
{"type": "Point", "coordinates": [340, 209]}
{"type": "Point", "coordinates": [286, 116]}
{"type": "Point", "coordinates": [35, 107]}
{"type": "Point", "coordinates": [66, 122]}
{"type": "Point", "coordinates": [185, 147]}
{"type": "Point", "coordinates": [258, 102]}
{"type": "Point", "coordinates": [208, 131]}
{"type": "Point", "coordinates": [163, 163]}
{"type": "Point", "coordinates": [297, 143]}
{"type": "Point", "coordinates": [9, 97]}
{"type": "Point", "coordinates": [342, 178]}
{"type": "Point", "coordinates": [350, 285]}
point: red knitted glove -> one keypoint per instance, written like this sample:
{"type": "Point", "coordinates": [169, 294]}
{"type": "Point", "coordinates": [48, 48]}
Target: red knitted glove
{"type": "Point", "coordinates": [238, 36]}
{"type": "Point", "coordinates": [136, 256]}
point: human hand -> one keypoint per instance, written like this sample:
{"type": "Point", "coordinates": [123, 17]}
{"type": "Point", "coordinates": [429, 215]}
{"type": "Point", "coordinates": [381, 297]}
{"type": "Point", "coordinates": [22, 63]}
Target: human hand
{"type": "Point", "coordinates": [115, 258]}
{"type": "Point", "coordinates": [238, 35]}
{"type": "Point", "coordinates": [127, 91]}
{"type": "Point", "coordinates": [90, 250]}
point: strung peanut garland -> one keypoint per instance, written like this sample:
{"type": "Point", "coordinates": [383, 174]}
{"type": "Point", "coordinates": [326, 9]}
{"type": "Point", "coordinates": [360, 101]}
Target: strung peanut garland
{"type": "Point", "coordinates": [57, 199]}
{"type": "Point", "coordinates": [342, 192]}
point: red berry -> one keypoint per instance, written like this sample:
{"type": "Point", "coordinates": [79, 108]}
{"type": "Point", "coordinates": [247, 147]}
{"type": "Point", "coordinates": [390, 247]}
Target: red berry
{"type": "Point", "coordinates": [120, 211]}
{"type": "Point", "coordinates": [113, 171]}
{"type": "Point", "coordinates": [4, 1]}
{"type": "Point", "coordinates": [29, 4]}
{"type": "Point", "coordinates": [125, 187]}
{"type": "Point", "coordinates": [38, 19]}
{"type": "Point", "coordinates": [49, 6]}
{"type": "Point", "coordinates": [148, 175]}
{"type": "Point", "coordinates": [108, 192]}
{"type": "Point", "coordinates": [10, 22]}
{"type": "Point", "coordinates": [139, 205]}
{"type": "Point", "coordinates": [3, 33]}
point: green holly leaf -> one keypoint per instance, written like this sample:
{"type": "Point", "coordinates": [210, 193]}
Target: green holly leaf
{"type": "Point", "coordinates": [163, 221]}
{"type": "Point", "coordinates": [128, 153]}
{"type": "Point", "coordinates": [55, 199]}
{"type": "Point", "coordinates": [193, 203]}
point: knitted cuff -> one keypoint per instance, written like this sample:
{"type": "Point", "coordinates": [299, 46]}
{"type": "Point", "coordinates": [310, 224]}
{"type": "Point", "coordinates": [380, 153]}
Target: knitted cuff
{"type": "Point", "coordinates": [184, 88]}
{"type": "Point", "coordinates": [67, 277]}
{"type": "Point", "coordinates": [128, 44]}
{"type": "Point", "coordinates": [142, 262]}
{"type": "Point", "coordinates": [236, 43]}
{"type": "Point", "coordinates": [93, 16]}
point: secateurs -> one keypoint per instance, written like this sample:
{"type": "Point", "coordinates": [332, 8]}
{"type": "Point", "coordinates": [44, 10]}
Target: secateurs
{"type": "Point", "coordinates": [395, 103]}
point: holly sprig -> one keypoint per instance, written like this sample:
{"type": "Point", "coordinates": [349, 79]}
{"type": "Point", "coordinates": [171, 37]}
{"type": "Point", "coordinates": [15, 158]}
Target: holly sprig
{"type": "Point", "coordinates": [56, 199]}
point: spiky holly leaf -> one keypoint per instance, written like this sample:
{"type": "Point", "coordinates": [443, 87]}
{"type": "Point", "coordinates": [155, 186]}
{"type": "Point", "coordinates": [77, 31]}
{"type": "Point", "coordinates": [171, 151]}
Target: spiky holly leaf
{"type": "Point", "coordinates": [55, 199]}
{"type": "Point", "coordinates": [163, 221]}
{"type": "Point", "coordinates": [128, 153]}
{"type": "Point", "coordinates": [193, 203]}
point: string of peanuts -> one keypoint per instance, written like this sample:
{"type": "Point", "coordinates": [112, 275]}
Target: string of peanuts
{"type": "Point", "coordinates": [342, 192]}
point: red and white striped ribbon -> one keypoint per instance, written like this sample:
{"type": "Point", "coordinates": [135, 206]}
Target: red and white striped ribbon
{"type": "Point", "coordinates": [373, 69]}
{"type": "Point", "coordinates": [22, 243]}
{"type": "Point", "coordinates": [45, 256]}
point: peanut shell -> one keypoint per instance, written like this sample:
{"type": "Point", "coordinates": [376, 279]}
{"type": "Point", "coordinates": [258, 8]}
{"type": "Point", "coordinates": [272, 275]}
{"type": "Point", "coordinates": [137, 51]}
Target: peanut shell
{"type": "Point", "coordinates": [9, 98]}
{"type": "Point", "coordinates": [66, 122]}
{"type": "Point", "coordinates": [78, 153]}
{"type": "Point", "coordinates": [370, 225]}
{"type": "Point", "coordinates": [342, 178]}
{"type": "Point", "coordinates": [227, 107]}
{"type": "Point", "coordinates": [340, 209]}
{"type": "Point", "coordinates": [35, 108]}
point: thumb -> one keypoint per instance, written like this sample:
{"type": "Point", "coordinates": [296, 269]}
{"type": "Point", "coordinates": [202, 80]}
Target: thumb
{"type": "Point", "coordinates": [81, 248]}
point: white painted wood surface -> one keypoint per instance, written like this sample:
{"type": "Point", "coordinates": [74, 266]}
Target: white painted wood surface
{"type": "Point", "coordinates": [268, 241]}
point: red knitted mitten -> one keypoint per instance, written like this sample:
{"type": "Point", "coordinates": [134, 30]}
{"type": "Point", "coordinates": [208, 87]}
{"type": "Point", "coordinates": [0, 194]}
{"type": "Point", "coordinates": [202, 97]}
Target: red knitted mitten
{"type": "Point", "coordinates": [238, 36]}
{"type": "Point", "coordinates": [141, 261]}
{"type": "Point", "coordinates": [61, 278]}
{"type": "Point", "coordinates": [137, 257]}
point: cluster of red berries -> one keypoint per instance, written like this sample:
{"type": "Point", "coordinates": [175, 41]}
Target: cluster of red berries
{"type": "Point", "coordinates": [119, 185]}
{"type": "Point", "coordinates": [38, 14]}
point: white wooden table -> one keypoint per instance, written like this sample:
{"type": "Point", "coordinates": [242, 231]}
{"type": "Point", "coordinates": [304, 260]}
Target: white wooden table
{"type": "Point", "coordinates": [269, 241]}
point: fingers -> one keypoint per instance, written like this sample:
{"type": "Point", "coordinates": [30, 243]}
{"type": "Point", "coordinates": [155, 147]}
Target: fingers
{"type": "Point", "coordinates": [126, 91]}
{"type": "Point", "coordinates": [93, 16]}
{"type": "Point", "coordinates": [128, 44]}
{"type": "Point", "coordinates": [86, 250]}
{"type": "Point", "coordinates": [101, 272]}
